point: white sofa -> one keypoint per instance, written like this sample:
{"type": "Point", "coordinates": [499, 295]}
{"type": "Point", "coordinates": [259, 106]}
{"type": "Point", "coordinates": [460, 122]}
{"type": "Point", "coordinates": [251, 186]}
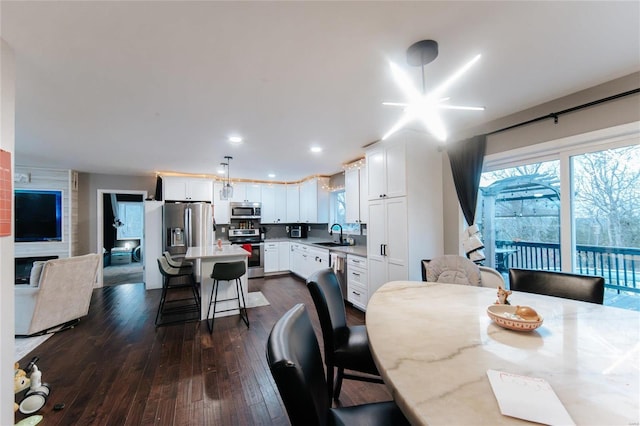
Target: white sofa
{"type": "Point", "coordinates": [57, 296]}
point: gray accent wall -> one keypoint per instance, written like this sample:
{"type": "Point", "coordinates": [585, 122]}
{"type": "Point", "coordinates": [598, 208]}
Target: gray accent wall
{"type": "Point", "coordinates": [88, 186]}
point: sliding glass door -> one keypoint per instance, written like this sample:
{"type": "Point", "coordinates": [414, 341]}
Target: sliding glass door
{"type": "Point", "coordinates": [606, 215]}
{"type": "Point", "coordinates": [573, 210]}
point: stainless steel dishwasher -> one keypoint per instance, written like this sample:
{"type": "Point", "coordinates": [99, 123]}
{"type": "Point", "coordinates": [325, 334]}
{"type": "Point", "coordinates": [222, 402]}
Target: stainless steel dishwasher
{"type": "Point", "coordinates": [338, 262]}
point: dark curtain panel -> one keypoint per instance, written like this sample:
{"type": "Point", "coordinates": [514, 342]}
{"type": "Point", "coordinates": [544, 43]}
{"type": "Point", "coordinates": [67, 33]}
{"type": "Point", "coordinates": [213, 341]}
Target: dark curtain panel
{"type": "Point", "coordinates": [466, 158]}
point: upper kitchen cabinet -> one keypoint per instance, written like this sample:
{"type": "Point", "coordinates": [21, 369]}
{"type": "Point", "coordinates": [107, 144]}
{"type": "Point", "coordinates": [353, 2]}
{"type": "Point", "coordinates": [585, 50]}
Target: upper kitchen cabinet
{"type": "Point", "coordinates": [221, 210]}
{"type": "Point", "coordinates": [178, 188]}
{"type": "Point", "coordinates": [386, 170]}
{"type": "Point", "coordinates": [314, 201]}
{"type": "Point", "coordinates": [356, 196]}
{"type": "Point", "coordinates": [293, 203]}
{"type": "Point", "coordinates": [247, 192]}
{"type": "Point", "coordinates": [403, 229]}
{"type": "Point", "coordinates": [274, 203]}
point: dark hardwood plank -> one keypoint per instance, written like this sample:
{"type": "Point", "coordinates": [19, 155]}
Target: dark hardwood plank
{"type": "Point", "coordinates": [116, 368]}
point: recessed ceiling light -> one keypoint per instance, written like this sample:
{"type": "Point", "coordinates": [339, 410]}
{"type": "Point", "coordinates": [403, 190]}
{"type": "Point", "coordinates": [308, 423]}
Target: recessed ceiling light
{"type": "Point", "coordinates": [221, 171]}
{"type": "Point", "coordinates": [271, 175]}
{"type": "Point", "coordinates": [316, 149]}
{"type": "Point", "coordinates": [235, 139]}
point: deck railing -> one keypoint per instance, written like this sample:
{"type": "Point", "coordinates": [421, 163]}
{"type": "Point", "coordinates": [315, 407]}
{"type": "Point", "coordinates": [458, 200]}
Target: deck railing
{"type": "Point", "coordinates": [620, 266]}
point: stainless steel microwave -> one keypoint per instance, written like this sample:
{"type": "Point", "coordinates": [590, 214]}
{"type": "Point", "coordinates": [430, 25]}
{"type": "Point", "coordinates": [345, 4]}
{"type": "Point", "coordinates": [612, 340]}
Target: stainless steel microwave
{"type": "Point", "coordinates": [245, 210]}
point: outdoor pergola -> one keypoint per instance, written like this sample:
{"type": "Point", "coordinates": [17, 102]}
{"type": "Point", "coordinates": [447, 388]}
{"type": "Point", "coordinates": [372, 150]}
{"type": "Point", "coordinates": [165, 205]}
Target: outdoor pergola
{"type": "Point", "coordinates": [534, 196]}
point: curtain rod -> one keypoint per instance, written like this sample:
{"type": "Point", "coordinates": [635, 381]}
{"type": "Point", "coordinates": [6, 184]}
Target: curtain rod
{"type": "Point", "coordinates": [555, 115]}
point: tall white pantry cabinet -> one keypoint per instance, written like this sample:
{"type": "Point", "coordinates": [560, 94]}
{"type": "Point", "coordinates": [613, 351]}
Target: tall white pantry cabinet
{"type": "Point", "coordinates": [405, 219]}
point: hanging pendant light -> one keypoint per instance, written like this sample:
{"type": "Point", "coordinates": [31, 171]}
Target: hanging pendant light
{"type": "Point", "coordinates": [227, 190]}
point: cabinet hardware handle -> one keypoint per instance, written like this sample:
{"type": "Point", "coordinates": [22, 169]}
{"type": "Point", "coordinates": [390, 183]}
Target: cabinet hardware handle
{"type": "Point", "coordinates": [356, 293]}
{"type": "Point", "coordinates": [356, 274]}
{"type": "Point", "coordinates": [381, 253]}
{"type": "Point", "coordinates": [384, 249]}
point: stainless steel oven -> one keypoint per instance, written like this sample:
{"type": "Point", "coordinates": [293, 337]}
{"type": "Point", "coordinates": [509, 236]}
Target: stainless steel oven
{"type": "Point", "coordinates": [250, 237]}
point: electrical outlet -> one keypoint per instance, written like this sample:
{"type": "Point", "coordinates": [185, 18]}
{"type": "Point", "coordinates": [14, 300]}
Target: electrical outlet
{"type": "Point", "coordinates": [224, 229]}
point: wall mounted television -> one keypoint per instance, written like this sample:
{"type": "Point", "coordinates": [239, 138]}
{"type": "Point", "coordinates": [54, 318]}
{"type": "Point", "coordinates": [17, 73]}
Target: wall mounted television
{"type": "Point", "coordinates": [38, 215]}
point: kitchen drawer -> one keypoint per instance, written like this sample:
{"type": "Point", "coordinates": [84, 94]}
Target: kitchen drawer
{"type": "Point", "coordinates": [271, 246]}
{"type": "Point", "coordinates": [357, 276]}
{"type": "Point", "coordinates": [356, 262]}
{"type": "Point", "coordinates": [357, 296]}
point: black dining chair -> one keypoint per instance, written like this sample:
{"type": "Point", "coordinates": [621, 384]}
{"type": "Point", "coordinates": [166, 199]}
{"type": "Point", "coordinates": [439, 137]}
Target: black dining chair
{"type": "Point", "coordinates": [345, 347]}
{"type": "Point", "coordinates": [175, 280]}
{"type": "Point", "coordinates": [587, 288]}
{"type": "Point", "coordinates": [293, 355]}
{"type": "Point", "coordinates": [227, 271]}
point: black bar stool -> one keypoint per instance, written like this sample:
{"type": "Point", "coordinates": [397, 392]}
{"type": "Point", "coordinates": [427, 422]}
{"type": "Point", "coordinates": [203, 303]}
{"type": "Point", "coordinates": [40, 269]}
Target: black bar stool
{"type": "Point", "coordinates": [178, 309]}
{"type": "Point", "coordinates": [185, 266]}
{"type": "Point", "coordinates": [227, 271]}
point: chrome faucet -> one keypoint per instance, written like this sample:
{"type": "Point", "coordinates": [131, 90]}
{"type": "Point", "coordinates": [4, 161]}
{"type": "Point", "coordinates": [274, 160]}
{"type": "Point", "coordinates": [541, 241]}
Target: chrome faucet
{"type": "Point", "coordinates": [331, 230]}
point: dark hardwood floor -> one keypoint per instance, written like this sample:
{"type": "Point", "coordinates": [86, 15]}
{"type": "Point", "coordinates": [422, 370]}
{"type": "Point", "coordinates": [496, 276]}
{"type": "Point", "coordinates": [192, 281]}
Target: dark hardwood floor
{"type": "Point", "coordinates": [116, 368]}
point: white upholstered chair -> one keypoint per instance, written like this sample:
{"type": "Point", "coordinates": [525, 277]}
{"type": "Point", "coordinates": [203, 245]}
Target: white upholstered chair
{"type": "Point", "coordinates": [454, 269]}
{"type": "Point", "coordinates": [58, 297]}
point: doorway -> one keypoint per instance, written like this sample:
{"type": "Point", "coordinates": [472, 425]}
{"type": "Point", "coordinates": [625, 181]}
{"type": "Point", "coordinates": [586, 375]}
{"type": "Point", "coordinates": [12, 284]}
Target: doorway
{"type": "Point", "coordinates": [120, 236]}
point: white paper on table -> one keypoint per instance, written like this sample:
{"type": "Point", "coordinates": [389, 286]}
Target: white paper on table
{"type": "Point", "coordinates": [528, 398]}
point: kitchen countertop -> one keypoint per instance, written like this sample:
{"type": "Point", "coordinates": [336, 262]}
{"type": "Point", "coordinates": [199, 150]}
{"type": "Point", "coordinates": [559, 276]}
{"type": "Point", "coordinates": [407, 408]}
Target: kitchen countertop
{"type": "Point", "coordinates": [212, 252]}
{"type": "Point", "coordinates": [358, 250]}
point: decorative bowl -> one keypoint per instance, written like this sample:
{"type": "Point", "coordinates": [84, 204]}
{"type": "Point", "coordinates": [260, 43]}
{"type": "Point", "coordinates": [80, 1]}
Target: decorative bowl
{"type": "Point", "coordinates": [505, 316]}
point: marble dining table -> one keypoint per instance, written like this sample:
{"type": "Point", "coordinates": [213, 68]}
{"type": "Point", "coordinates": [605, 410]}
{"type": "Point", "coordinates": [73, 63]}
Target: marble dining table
{"type": "Point", "coordinates": [433, 344]}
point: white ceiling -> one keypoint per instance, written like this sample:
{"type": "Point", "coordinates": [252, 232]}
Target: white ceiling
{"type": "Point", "coordinates": [139, 87]}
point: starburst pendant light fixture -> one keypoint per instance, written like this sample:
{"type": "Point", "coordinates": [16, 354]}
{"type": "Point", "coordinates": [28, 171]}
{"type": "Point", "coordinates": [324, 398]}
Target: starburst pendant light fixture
{"type": "Point", "coordinates": [227, 190]}
{"type": "Point", "coordinates": [425, 106]}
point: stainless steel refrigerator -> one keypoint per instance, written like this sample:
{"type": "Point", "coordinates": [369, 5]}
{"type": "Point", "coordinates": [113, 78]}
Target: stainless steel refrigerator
{"type": "Point", "coordinates": [187, 225]}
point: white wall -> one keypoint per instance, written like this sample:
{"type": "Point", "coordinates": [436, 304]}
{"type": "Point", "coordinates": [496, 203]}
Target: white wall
{"type": "Point", "coordinates": [7, 143]}
{"type": "Point", "coordinates": [621, 111]}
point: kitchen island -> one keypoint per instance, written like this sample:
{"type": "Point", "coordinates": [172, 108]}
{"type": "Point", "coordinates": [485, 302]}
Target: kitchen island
{"type": "Point", "coordinates": [208, 257]}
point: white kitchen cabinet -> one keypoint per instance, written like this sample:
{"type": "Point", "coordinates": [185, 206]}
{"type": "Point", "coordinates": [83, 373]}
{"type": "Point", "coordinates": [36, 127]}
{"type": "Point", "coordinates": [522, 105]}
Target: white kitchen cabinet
{"type": "Point", "coordinates": [317, 259]}
{"type": "Point", "coordinates": [246, 192]}
{"type": "Point", "coordinates": [276, 257]}
{"type": "Point", "coordinates": [386, 171]}
{"type": "Point", "coordinates": [274, 203]}
{"type": "Point", "coordinates": [403, 229]}
{"type": "Point", "coordinates": [305, 260]}
{"type": "Point", "coordinates": [221, 209]}
{"type": "Point", "coordinates": [293, 203]}
{"type": "Point", "coordinates": [283, 256]}
{"type": "Point", "coordinates": [356, 197]}
{"type": "Point", "coordinates": [387, 242]}
{"type": "Point", "coordinates": [297, 258]}
{"type": "Point", "coordinates": [314, 201]}
{"type": "Point", "coordinates": [357, 282]}
{"type": "Point", "coordinates": [364, 195]}
{"type": "Point", "coordinates": [271, 257]}
{"type": "Point", "coordinates": [178, 188]}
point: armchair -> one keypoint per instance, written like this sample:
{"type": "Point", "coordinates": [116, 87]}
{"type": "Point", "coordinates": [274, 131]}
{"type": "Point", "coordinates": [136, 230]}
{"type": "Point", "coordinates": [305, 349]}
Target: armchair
{"type": "Point", "coordinates": [58, 297]}
{"type": "Point", "coordinates": [456, 269]}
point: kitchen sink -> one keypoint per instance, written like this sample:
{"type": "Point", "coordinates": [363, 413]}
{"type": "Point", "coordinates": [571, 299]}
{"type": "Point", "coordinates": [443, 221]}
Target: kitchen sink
{"type": "Point", "coordinates": [332, 244]}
